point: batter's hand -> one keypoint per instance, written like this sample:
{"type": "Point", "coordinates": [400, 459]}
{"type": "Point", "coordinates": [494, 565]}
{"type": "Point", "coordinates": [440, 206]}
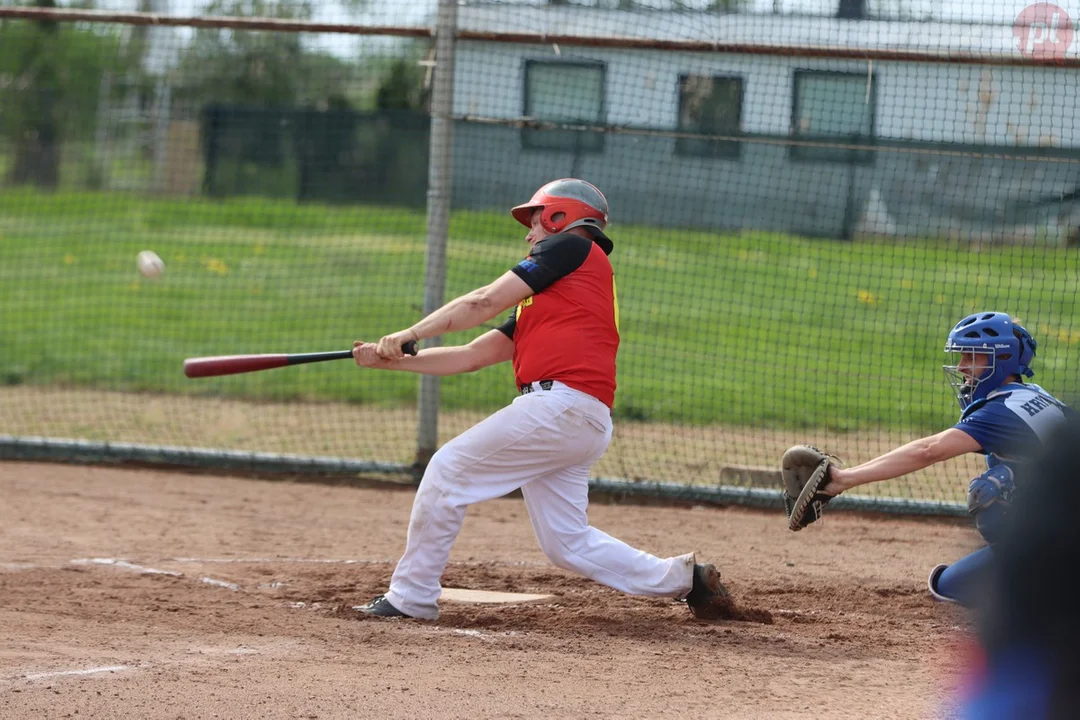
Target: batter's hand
{"type": "Point", "coordinates": [365, 355]}
{"type": "Point", "coordinates": [390, 347]}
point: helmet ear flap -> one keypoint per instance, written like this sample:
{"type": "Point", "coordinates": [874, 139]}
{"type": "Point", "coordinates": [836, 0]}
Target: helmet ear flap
{"type": "Point", "coordinates": [1027, 349]}
{"type": "Point", "coordinates": [553, 218]}
{"type": "Point", "coordinates": [547, 219]}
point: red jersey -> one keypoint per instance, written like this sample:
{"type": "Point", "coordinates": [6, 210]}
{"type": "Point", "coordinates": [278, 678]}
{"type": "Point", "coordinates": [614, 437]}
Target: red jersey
{"type": "Point", "coordinates": [569, 329]}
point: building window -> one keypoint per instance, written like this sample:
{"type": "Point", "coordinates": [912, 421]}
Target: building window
{"type": "Point", "coordinates": [837, 108]}
{"type": "Point", "coordinates": [709, 106]}
{"type": "Point", "coordinates": [564, 92]}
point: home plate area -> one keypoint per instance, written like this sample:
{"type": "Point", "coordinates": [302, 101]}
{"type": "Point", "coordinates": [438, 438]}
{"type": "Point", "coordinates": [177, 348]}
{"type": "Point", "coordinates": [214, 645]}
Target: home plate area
{"type": "Point", "coordinates": [488, 597]}
{"type": "Point", "coordinates": [485, 597]}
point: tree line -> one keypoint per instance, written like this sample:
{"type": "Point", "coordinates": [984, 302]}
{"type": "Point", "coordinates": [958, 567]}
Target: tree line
{"type": "Point", "coordinates": [55, 77]}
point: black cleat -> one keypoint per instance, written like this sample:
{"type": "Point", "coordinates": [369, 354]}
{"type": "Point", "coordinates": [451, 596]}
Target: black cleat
{"type": "Point", "coordinates": [381, 607]}
{"type": "Point", "coordinates": [708, 599]}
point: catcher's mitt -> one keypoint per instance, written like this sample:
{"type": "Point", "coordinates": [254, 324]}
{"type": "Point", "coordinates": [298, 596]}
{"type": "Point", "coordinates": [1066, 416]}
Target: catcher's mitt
{"type": "Point", "coordinates": [805, 470]}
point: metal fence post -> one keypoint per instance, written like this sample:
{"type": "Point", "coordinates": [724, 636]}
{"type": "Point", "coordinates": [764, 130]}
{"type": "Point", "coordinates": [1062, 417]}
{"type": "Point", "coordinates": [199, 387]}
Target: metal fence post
{"type": "Point", "coordinates": [440, 177]}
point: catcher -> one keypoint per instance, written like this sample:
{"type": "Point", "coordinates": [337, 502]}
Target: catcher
{"type": "Point", "coordinates": [1002, 417]}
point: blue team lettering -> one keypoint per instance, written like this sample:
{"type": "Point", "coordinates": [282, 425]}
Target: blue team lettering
{"type": "Point", "coordinates": [1036, 405]}
{"type": "Point", "coordinates": [528, 265]}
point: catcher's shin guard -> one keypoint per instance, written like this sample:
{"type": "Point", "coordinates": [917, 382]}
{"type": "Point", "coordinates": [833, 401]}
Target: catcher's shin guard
{"type": "Point", "coordinates": [931, 584]}
{"type": "Point", "coordinates": [964, 581]}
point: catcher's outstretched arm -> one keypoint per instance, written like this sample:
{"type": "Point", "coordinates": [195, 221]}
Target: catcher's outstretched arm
{"type": "Point", "coordinates": [916, 455]}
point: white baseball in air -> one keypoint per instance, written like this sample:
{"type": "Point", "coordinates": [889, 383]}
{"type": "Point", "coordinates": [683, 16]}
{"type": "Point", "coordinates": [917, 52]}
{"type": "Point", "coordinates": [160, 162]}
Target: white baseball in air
{"type": "Point", "coordinates": [150, 265]}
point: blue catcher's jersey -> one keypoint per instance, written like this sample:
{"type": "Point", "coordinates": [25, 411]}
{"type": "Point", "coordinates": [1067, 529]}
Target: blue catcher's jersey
{"type": "Point", "coordinates": [1013, 422]}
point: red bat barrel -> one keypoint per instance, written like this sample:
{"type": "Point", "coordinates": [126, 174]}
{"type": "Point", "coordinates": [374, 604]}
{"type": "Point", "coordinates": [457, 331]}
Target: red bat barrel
{"type": "Point", "coordinates": [232, 364]}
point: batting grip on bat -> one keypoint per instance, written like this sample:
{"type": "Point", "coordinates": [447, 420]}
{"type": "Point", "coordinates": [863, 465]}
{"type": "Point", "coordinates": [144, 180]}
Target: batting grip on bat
{"type": "Point", "coordinates": [236, 364]}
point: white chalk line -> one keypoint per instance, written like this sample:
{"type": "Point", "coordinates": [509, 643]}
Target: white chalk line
{"type": "Point", "coordinates": [111, 669]}
{"type": "Point", "coordinates": [126, 566]}
{"type": "Point", "coordinates": [221, 583]}
{"type": "Point", "coordinates": [472, 633]}
{"type": "Point", "coordinates": [68, 673]}
{"type": "Point", "coordinates": [477, 634]}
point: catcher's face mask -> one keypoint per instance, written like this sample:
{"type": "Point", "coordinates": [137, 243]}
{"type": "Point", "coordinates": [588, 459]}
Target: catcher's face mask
{"type": "Point", "coordinates": [969, 368]}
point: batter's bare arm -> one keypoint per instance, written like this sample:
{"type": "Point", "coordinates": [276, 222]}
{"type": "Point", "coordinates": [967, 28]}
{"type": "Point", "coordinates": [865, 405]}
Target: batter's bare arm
{"type": "Point", "coordinates": [916, 455]}
{"type": "Point", "coordinates": [491, 348]}
{"type": "Point", "coordinates": [462, 313]}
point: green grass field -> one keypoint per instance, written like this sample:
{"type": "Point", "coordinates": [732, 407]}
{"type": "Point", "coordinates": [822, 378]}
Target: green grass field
{"type": "Point", "coordinates": [749, 329]}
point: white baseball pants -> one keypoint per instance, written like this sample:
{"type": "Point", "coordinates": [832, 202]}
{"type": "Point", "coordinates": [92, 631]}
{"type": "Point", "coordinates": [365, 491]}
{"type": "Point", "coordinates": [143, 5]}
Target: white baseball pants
{"type": "Point", "coordinates": [544, 443]}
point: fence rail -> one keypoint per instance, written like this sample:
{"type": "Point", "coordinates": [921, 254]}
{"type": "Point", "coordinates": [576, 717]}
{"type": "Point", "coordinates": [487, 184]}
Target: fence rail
{"type": "Point", "coordinates": [797, 224]}
{"type": "Point", "coordinates": [538, 38]}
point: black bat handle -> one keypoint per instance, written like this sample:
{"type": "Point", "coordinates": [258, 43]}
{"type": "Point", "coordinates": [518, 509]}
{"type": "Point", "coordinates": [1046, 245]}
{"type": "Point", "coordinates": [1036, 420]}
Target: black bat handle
{"type": "Point", "coordinates": [408, 348]}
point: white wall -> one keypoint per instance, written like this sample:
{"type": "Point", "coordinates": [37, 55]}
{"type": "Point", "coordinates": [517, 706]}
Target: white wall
{"type": "Point", "coordinates": [931, 102]}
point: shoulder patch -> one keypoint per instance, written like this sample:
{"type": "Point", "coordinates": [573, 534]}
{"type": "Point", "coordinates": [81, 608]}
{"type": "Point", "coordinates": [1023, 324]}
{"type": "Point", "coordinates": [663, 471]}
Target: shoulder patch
{"type": "Point", "coordinates": [528, 265]}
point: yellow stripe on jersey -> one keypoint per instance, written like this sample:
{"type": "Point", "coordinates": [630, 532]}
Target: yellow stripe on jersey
{"type": "Point", "coordinates": [615, 302]}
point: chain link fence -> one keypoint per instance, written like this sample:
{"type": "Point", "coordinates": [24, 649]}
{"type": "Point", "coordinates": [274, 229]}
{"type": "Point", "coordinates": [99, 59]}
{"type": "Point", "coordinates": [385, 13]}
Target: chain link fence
{"type": "Point", "coordinates": [802, 207]}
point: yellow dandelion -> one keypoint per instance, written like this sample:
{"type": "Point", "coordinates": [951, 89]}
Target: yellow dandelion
{"type": "Point", "coordinates": [217, 266]}
{"type": "Point", "coordinates": [135, 287]}
{"type": "Point", "coordinates": [812, 272]}
{"type": "Point", "coordinates": [259, 249]}
{"type": "Point", "coordinates": [865, 296]}
{"type": "Point", "coordinates": [1068, 336]}
{"type": "Point", "coordinates": [69, 259]}
{"type": "Point", "coordinates": [907, 284]}
{"type": "Point", "coordinates": [743, 254]}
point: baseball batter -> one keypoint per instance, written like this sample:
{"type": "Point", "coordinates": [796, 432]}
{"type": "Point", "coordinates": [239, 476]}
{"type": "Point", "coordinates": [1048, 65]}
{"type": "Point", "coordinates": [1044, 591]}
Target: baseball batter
{"type": "Point", "coordinates": [562, 337]}
{"type": "Point", "coordinates": [1002, 417]}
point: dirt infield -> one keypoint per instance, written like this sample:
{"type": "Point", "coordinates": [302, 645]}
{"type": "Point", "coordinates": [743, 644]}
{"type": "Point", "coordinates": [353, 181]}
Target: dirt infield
{"type": "Point", "coordinates": [135, 593]}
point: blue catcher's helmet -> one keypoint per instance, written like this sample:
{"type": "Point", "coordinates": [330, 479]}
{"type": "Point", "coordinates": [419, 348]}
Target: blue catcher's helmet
{"type": "Point", "coordinates": [995, 348]}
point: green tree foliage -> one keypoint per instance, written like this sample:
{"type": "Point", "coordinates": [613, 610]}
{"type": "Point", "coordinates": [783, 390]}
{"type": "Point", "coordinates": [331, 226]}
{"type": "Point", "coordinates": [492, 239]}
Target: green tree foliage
{"type": "Point", "coordinates": [259, 69]}
{"type": "Point", "coordinates": [50, 79]}
{"type": "Point", "coordinates": [402, 87]}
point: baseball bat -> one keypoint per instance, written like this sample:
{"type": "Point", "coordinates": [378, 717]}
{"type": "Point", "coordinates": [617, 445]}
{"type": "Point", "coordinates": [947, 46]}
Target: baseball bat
{"type": "Point", "coordinates": [234, 364]}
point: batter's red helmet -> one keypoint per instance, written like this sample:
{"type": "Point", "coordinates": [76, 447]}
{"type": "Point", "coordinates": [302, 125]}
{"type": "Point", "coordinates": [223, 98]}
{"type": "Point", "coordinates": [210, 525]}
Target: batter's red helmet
{"type": "Point", "coordinates": [580, 203]}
